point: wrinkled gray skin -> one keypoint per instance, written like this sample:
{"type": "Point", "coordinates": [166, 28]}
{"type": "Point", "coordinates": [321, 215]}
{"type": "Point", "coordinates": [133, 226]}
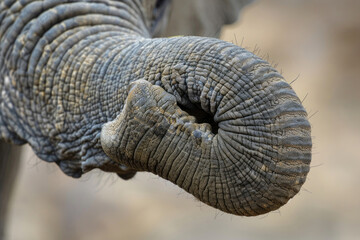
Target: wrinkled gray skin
{"type": "Point", "coordinates": [87, 87]}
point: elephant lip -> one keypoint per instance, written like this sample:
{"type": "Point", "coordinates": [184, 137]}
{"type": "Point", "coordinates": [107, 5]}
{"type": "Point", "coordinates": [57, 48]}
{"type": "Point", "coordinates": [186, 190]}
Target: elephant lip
{"type": "Point", "coordinates": [70, 168]}
{"type": "Point", "coordinates": [106, 165]}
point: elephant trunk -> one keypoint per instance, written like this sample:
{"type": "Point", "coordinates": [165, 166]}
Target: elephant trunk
{"type": "Point", "coordinates": [212, 117]}
{"type": "Point", "coordinates": [222, 124]}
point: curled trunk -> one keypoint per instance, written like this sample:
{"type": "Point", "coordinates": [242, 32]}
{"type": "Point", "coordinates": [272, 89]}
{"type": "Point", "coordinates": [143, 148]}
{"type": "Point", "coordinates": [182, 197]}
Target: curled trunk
{"type": "Point", "coordinates": [224, 126]}
{"type": "Point", "coordinates": [210, 117]}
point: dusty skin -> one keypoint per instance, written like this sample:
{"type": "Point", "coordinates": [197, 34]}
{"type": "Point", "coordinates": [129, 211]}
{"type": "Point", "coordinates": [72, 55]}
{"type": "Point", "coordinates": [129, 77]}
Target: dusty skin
{"type": "Point", "coordinates": [321, 44]}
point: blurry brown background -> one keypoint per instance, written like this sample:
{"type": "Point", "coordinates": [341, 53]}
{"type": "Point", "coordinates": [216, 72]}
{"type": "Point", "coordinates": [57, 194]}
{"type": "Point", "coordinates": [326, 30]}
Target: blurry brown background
{"type": "Point", "coordinates": [318, 40]}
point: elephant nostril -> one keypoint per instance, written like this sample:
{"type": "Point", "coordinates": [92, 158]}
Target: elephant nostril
{"type": "Point", "coordinates": [201, 117]}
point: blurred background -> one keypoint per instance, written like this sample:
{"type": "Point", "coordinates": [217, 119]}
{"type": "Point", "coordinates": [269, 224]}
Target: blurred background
{"type": "Point", "coordinates": [316, 42]}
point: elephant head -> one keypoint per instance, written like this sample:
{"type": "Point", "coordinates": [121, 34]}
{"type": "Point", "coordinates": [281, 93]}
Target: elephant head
{"type": "Point", "coordinates": [87, 87]}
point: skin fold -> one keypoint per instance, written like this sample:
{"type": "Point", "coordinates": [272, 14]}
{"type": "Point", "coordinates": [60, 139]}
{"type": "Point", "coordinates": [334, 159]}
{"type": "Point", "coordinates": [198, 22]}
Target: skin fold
{"type": "Point", "coordinates": [86, 85]}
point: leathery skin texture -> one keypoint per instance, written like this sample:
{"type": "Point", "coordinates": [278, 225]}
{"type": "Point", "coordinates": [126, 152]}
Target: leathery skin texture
{"type": "Point", "coordinates": [87, 87]}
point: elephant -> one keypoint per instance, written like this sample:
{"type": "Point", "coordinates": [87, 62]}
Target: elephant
{"type": "Point", "coordinates": [99, 84]}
